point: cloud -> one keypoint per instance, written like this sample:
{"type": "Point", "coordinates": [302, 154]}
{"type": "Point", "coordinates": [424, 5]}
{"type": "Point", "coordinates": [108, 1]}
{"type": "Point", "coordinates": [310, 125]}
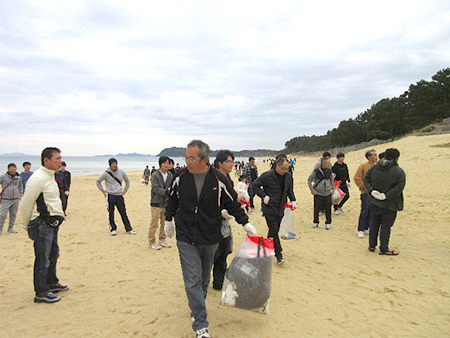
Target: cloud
{"type": "Point", "coordinates": [114, 76]}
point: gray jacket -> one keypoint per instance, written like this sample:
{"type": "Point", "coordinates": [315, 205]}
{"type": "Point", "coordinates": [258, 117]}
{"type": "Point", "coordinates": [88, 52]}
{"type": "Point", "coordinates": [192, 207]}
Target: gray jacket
{"type": "Point", "coordinates": [160, 189]}
{"type": "Point", "coordinates": [112, 186]}
{"type": "Point", "coordinates": [13, 191]}
{"type": "Point", "coordinates": [322, 186]}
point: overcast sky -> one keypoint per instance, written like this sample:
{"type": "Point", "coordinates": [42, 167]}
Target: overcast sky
{"type": "Point", "coordinates": [95, 77]}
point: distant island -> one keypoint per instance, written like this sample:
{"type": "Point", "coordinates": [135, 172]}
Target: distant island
{"type": "Point", "coordinates": [181, 152]}
{"type": "Point", "coordinates": [16, 155]}
{"type": "Point", "coordinates": [124, 155]}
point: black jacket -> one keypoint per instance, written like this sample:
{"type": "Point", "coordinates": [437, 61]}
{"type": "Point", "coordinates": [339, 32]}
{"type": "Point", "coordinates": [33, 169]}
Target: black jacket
{"type": "Point", "coordinates": [198, 221]}
{"type": "Point", "coordinates": [268, 184]}
{"type": "Point", "coordinates": [341, 171]}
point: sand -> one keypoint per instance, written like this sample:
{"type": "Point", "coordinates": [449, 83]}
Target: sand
{"type": "Point", "coordinates": [330, 285]}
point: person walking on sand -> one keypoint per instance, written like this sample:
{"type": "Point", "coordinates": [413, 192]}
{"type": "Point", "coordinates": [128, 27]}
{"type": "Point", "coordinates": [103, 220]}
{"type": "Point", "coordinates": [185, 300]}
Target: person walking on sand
{"type": "Point", "coordinates": [161, 181]}
{"type": "Point", "coordinates": [251, 171]}
{"type": "Point", "coordinates": [340, 170]}
{"type": "Point", "coordinates": [26, 173]}
{"type": "Point", "coordinates": [68, 176]}
{"type": "Point", "coordinates": [198, 193]}
{"type": "Point", "coordinates": [364, 216]}
{"type": "Point", "coordinates": [42, 215]}
{"type": "Point", "coordinates": [146, 175]}
{"type": "Point", "coordinates": [274, 186]}
{"type": "Point", "coordinates": [12, 190]}
{"type": "Point", "coordinates": [320, 183]}
{"type": "Point", "coordinates": [384, 183]}
{"type": "Point", "coordinates": [114, 193]}
{"type": "Point", "coordinates": [224, 163]}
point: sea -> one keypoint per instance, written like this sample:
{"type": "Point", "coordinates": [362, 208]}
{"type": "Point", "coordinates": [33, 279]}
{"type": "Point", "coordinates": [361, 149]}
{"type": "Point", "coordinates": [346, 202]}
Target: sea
{"type": "Point", "coordinates": [91, 165]}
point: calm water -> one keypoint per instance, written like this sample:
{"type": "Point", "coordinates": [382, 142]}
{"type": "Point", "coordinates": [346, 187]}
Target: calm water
{"type": "Point", "coordinates": [80, 166]}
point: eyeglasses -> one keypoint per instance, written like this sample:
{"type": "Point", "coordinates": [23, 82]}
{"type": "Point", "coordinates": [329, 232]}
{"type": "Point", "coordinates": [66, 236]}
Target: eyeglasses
{"type": "Point", "coordinates": [228, 161]}
{"type": "Point", "coordinates": [190, 159]}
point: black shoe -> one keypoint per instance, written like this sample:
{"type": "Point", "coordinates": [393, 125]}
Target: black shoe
{"type": "Point", "coordinates": [58, 287]}
{"type": "Point", "coordinates": [48, 298]}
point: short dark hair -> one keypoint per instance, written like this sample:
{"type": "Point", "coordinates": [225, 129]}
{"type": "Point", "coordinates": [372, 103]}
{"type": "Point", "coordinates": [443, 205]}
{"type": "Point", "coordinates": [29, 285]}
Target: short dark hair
{"type": "Point", "coordinates": [25, 163]}
{"type": "Point", "coordinates": [171, 161]}
{"type": "Point", "coordinates": [63, 164]}
{"type": "Point", "coordinates": [326, 154]}
{"type": "Point", "coordinates": [381, 155]}
{"type": "Point", "coordinates": [12, 165]}
{"type": "Point", "coordinates": [222, 156]}
{"type": "Point", "coordinates": [163, 159]}
{"type": "Point", "coordinates": [339, 155]}
{"type": "Point", "coordinates": [251, 158]}
{"type": "Point", "coordinates": [392, 154]}
{"type": "Point", "coordinates": [242, 177]}
{"type": "Point", "coordinates": [48, 153]}
{"type": "Point", "coordinates": [280, 159]}
{"type": "Point", "coordinates": [368, 153]}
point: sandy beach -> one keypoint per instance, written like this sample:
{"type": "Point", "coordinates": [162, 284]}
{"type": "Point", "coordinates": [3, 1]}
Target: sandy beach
{"type": "Point", "coordinates": [330, 285]}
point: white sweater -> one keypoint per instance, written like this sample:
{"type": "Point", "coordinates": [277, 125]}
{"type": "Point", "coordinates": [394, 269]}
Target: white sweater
{"type": "Point", "coordinates": [42, 181]}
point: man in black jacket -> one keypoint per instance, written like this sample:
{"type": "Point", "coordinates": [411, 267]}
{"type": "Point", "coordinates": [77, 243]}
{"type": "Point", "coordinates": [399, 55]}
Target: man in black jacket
{"type": "Point", "coordinates": [198, 194]}
{"type": "Point", "coordinates": [340, 169]}
{"type": "Point", "coordinates": [274, 186]}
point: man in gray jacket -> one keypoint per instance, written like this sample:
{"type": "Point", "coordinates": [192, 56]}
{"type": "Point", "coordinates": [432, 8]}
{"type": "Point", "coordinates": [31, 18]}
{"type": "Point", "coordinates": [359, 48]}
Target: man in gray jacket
{"type": "Point", "coordinates": [12, 190]}
{"type": "Point", "coordinates": [161, 181]}
{"type": "Point", "coordinates": [320, 183]}
{"type": "Point", "coordinates": [113, 178]}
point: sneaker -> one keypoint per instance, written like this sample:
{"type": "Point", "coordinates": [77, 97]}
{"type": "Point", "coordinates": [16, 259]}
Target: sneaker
{"type": "Point", "coordinates": [155, 246]}
{"type": "Point", "coordinates": [48, 298]}
{"type": "Point", "coordinates": [131, 232]}
{"type": "Point", "coordinates": [341, 210]}
{"type": "Point", "coordinates": [113, 232]}
{"type": "Point", "coordinates": [164, 244]}
{"type": "Point", "coordinates": [12, 231]}
{"type": "Point", "coordinates": [315, 225]}
{"type": "Point", "coordinates": [360, 234]}
{"type": "Point", "coordinates": [203, 333]}
{"type": "Point", "coordinates": [327, 226]}
{"type": "Point", "coordinates": [366, 231]}
{"type": "Point", "coordinates": [280, 261]}
{"type": "Point", "coordinates": [336, 212]}
{"type": "Point", "coordinates": [58, 287]}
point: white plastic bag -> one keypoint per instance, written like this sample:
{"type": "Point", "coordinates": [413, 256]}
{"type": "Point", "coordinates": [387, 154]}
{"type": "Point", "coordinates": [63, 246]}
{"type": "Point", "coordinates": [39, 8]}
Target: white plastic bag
{"type": "Point", "coordinates": [247, 282]}
{"type": "Point", "coordinates": [287, 226]}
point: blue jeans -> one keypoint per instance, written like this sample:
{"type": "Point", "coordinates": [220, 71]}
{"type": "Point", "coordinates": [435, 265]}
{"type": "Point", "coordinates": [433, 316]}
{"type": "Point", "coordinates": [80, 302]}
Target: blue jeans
{"type": "Point", "coordinates": [196, 263]}
{"type": "Point", "coordinates": [46, 251]}
{"type": "Point", "coordinates": [364, 216]}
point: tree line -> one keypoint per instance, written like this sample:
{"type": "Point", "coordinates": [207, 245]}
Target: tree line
{"type": "Point", "coordinates": [423, 103]}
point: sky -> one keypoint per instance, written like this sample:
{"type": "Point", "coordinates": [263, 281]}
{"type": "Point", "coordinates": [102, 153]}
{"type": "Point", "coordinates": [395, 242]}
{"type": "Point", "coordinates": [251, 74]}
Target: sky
{"type": "Point", "coordinates": [108, 77]}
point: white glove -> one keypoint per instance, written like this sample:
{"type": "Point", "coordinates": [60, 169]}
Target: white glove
{"type": "Point", "coordinates": [294, 205]}
{"type": "Point", "coordinates": [266, 199]}
{"type": "Point", "coordinates": [66, 193]}
{"type": "Point", "coordinates": [225, 214]}
{"type": "Point", "coordinates": [169, 228]}
{"type": "Point", "coordinates": [251, 230]}
{"type": "Point", "coordinates": [378, 195]}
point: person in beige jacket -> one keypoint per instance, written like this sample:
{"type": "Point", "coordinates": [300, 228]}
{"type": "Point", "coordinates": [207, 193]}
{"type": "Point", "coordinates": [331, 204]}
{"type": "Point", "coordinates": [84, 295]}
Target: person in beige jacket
{"type": "Point", "coordinates": [364, 216]}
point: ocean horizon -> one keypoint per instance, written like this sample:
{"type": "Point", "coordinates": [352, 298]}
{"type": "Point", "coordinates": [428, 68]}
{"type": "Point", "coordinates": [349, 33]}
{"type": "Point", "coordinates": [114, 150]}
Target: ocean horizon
{"type": "Point", "coordinates": [92, 165]}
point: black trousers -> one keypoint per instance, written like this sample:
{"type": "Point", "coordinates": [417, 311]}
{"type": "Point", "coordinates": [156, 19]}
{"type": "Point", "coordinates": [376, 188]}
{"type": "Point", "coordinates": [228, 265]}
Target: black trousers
{"type": "Point", "coordinates": [220, 261]}
{"type": "Point", "coordinates": [119, 202]}
{"type": "Point", "coordinates": [273, 223]}
{"type": "Point", "coordinates": [381, 220]}
{"type": "Point", "coordinates": [322, 203]}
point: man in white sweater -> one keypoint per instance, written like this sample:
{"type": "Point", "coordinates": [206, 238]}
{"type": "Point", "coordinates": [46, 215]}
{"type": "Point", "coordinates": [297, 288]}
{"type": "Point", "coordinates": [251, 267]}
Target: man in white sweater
{"type": "Point", "coordinates": [42, 214]}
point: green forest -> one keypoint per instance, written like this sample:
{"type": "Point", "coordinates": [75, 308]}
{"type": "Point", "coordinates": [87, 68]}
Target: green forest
{"type": "Point", "coordinates": [423, 103]}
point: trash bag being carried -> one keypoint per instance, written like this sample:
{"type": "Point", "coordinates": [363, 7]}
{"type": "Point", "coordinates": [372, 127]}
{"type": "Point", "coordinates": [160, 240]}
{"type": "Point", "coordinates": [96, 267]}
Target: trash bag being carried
{"type": "Point", "coordinates": [287, 226]}
{"type": "Point", "coordinates": [338, 194]}
{"type": "Point", "coordinates": [247, 281]}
